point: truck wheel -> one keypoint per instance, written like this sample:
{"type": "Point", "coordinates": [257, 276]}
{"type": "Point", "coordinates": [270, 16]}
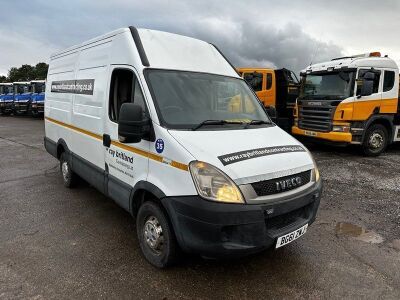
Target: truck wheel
{"type": "Point", "coordinates": [375, 140]}
{"type": "Point", "coordinates": [156, 236]}
{"type": "Point", "coordinates": [68, 176]}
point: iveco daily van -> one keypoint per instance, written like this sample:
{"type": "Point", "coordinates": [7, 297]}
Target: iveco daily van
{"type": "Point", "coordinates": [163, 125]}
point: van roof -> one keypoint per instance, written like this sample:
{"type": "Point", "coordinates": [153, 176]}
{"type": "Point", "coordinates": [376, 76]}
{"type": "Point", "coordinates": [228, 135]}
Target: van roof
{"type": "Point", "coordinates": [38, 81]}
{"type": "Point", "coordinates": [86, 43]}
{"type": "Point", "coordinates": [6, 83]}
{"type": "Point", "coordinates": [165, 50]}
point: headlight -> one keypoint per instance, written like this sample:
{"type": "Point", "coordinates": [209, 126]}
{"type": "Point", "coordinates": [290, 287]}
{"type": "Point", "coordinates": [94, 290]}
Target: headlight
{"type": "Point", "coordinates": [341, 128]}
{"type": "Point", "coordinates": [315, 174]}
{"type": "Point", "coordinates": [213, 184]}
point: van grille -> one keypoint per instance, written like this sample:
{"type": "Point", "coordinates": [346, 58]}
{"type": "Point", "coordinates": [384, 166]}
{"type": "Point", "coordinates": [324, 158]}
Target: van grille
{"type": "Point", "coordinates": [289, 218]}
{"type": "Point", "coordinates": [316, 117]}
{"type": "Point", "coordinates": [268, 187]}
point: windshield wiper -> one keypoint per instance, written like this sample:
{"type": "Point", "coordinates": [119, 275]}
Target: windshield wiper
{"type": "Point", "coordinates": [214, 122]}
{"type": "Point", "coordinates": [256, 122]}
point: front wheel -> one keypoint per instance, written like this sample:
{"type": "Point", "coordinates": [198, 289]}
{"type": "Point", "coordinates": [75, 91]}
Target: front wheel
{"type": "Point", "coordinates": [156, 236]}
{"type": "Point", "coordinates": [375, 140]}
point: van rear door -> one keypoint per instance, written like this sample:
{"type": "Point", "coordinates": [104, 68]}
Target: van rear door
{"type": "Point", "coordinates": [125, 164]}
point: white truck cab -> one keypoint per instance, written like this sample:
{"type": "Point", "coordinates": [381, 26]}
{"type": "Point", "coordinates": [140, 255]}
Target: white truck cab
{"type": "Point", "coordinates": [163, 125]}
{"type": "Point", "coordinates": [350, 100]}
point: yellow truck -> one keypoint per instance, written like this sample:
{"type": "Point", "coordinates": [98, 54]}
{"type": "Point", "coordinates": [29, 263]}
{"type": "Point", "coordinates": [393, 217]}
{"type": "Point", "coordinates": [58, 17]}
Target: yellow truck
{"type": "Point", "coordinates": [276, 89]}
{"type": "Point", "coordinates": [350, 100]}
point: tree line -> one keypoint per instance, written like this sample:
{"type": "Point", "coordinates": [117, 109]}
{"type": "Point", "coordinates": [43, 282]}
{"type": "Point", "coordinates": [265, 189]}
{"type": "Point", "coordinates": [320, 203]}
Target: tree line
{"type": "Point", "coordinates": [26, 73]}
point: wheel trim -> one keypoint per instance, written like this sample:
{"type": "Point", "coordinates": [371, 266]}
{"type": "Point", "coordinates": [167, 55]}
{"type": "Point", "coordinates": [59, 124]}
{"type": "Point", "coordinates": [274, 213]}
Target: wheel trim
{"type": "Point", "coordinates": [376, 141]}
{"type": "Point", "coordinates": [153, 234]}
{"type": "Point", "coordinates": [65, 170]}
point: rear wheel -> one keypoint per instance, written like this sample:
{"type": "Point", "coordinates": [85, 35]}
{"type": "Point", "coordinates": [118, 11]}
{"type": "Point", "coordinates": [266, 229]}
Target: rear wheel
{"type": "Point", "coordinates": [68, 176]}
{"type": "Point", "coordinates": [156, 237]}
{"type": "Point", "coordinates": [375, 140]}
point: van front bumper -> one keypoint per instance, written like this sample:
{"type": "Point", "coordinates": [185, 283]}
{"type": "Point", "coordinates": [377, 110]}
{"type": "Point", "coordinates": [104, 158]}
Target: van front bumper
{"type": "Point", "coordinates": [219, 230]}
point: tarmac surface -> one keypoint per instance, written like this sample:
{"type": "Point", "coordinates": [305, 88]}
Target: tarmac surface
{"type": "Point", "coordinates": [75, 243]}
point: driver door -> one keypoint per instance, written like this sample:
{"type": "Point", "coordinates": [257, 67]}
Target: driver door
{"type": "Point", "coordinates": [125, 164]}
{"type": "Point", "coordinates": [365, 106]}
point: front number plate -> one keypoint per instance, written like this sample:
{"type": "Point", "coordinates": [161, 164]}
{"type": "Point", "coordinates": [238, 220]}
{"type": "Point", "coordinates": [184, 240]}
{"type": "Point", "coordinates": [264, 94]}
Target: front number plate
{"type": "Point", "coordinates": [290, 237]}
{"type": "Point", "coordinates": [310, 133]}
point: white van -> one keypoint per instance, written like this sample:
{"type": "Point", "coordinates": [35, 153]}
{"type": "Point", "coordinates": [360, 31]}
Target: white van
{"type": "Point", "coordinates": [163, 125]}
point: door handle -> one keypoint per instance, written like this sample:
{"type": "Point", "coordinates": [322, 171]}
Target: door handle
{"type": "Point", "coordinates": [106, 140]}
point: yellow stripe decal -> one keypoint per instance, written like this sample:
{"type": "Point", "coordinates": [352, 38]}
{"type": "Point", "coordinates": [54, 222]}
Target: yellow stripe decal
{"type": "Point", "coordinates": [137, 151]}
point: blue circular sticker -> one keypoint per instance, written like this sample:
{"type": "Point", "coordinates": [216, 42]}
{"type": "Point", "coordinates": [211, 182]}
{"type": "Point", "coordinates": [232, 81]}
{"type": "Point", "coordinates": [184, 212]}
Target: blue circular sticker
{"type": "Point", "coordinates": [159, 146]}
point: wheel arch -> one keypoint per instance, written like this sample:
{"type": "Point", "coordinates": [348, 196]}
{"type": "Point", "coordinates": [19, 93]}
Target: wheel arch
{"type": "Point", "coordinates": [386, 121]}
{"type": "Point", "coordinates": [144, 190]}
{"type": "Point", "coordinates": [61, 147]}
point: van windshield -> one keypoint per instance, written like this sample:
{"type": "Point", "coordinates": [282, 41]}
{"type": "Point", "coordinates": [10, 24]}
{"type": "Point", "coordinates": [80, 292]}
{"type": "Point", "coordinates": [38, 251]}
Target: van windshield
{"type": "Point", "coordinates": [186, 99]}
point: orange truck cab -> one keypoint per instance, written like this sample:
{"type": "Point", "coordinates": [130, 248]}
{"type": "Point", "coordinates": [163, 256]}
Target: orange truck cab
{"type": "Point", "coordinates": [350, 100]}
{"type": "Point", "coordinates": [277, 90]}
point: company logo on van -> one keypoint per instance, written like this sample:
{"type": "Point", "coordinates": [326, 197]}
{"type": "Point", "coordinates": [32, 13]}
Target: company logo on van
{"type": "Point", "coordinates": [289, 183]}
{"type": "Point", "coordinates": [254, 153]}
{"type": "Point", "coordinates": [79, 86]}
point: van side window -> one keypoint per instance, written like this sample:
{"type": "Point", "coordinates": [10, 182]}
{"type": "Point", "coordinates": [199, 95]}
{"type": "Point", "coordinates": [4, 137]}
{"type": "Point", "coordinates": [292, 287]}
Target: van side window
{"type": "Point", "coordinates": [269, 81]}
{"type": "Point", "coordinates": [361, 74]}
{"type": "Point", "coordinates": [388, 81]}
{"type": "Point", "coordinates": [124, 88]}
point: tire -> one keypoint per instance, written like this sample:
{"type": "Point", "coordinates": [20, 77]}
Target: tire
{"type": "Point", "coordinates": [375, 140]}
{"type": "Point", "coordinates": [156, 237]}
{"type": "Point", "coordinates": [68, 176]}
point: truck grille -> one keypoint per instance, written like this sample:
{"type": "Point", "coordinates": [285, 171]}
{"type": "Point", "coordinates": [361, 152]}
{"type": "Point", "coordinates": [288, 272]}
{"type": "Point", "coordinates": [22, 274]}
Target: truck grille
{"type": "Point", "coordinates": [268, 187]}
{"type": "Point", "coordinates": [316, 117]}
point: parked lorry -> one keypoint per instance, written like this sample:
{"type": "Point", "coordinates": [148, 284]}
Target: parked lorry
{"type": "Point", "coordinates": [6, 98]}
{"type": "Point", "coordinates": [38, 96]}
{"type": "Point", "coordinates": [22, 97]}
{"type": "Point", "coordinates": [277, 90]}
{"type": "Point", "coordinates": [144, 116]}
{"type": "Point", "coordinates": [350, 100]}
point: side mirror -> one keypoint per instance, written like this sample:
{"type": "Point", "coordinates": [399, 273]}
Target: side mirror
{"type": "Point", "coordinates": [133, 126]}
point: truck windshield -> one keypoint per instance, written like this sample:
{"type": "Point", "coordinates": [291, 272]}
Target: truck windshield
{"type": "Point", "coordinates": [38, 88]}
{"type": "Point", "coordinates": [329, 86]}
{"type": "Point", "coordinates": [186, 99]}
{"type": "Point", "coordinates": [22, 88]}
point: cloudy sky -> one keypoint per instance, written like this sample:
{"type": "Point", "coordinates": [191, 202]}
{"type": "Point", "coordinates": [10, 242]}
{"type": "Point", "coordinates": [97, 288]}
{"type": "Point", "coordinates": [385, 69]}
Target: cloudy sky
{"type": "Point", "coordinates": [269, 33]}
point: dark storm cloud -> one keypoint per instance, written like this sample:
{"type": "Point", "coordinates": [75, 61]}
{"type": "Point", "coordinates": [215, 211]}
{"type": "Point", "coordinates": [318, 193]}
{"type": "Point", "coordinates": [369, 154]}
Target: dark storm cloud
{"type": "Point", "coordinates": [251, 33]}
{"type": "Point", "coordinates": [257, 45]}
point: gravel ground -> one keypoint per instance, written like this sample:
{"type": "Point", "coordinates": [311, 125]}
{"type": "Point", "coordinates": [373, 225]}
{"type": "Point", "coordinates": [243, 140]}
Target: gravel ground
{"type": "Point", "coordinates": [61, 243]}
